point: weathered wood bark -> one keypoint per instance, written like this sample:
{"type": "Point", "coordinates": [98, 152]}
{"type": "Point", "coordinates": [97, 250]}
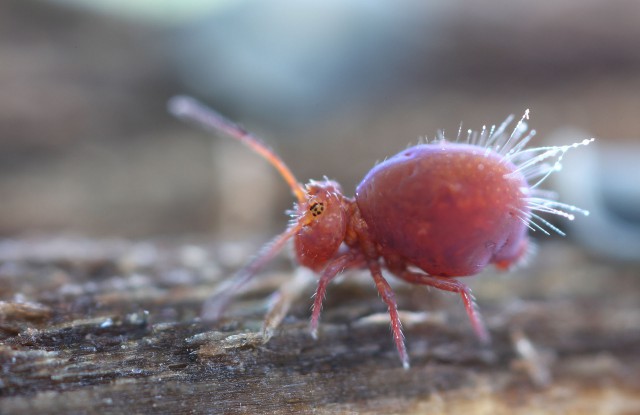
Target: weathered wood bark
{"type": "Point", "coordinates": [111, 327]}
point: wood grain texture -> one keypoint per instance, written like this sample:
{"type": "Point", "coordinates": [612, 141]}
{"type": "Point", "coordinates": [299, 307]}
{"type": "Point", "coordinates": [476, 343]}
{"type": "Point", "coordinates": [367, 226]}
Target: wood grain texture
{"type": "Point", "coordinates": [110, 326]}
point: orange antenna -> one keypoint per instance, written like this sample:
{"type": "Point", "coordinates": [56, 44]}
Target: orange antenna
{"type": "Point", "coordinates": [190, 109]}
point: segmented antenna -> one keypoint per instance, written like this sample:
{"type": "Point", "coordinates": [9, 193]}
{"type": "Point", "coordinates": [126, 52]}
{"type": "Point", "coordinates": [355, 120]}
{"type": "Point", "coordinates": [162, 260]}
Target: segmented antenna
{"type": "Point", "coordinates": [190, 109]}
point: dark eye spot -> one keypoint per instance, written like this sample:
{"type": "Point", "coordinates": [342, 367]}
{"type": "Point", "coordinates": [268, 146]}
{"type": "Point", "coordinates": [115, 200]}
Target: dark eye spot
{"type": "Point", "coordinates": [316, 209]}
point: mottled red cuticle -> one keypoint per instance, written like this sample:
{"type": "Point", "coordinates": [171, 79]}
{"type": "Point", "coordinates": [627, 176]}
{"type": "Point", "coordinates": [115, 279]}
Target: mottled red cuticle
{"type": "Point", "coordinates": [448, 208]}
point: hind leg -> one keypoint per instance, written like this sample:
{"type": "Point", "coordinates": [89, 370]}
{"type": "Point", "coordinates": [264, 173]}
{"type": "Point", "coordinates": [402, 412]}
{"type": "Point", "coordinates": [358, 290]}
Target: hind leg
{"type": "Point", "coordinates": [452, 285]}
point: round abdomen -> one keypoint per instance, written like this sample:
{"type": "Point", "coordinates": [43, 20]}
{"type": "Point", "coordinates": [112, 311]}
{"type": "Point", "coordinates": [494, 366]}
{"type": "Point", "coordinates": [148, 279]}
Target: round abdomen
{"type": "Point", "coordinates": [447, 208]}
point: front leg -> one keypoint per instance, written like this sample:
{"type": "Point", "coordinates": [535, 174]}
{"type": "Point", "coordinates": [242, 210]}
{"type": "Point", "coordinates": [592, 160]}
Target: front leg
{"type": "Point", "coordinates": [215, 306]}
{"type": "Point", "coordinates": [452, 285]}
{"type": "Point", "coordinates": [335, 267]}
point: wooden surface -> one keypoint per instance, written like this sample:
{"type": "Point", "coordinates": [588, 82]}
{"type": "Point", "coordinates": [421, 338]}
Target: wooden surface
{"type": "Point", "coordinates": [111, 326]}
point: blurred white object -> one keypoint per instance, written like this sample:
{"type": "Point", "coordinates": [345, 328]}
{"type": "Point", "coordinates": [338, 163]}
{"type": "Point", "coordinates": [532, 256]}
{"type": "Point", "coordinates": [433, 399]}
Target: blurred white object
{"type": "Point", "coordinates": [605, 179]}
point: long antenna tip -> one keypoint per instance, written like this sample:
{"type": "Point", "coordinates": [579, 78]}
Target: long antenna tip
{"type": "Point", "coordinates": [190, 109]}
{"type": "Point", "coordinates": [181, 105]}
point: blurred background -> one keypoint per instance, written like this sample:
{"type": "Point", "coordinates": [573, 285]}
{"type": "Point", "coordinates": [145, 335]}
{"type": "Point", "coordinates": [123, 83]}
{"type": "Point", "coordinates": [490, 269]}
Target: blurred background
{"type": "Point", "coordinates": [87, 146]}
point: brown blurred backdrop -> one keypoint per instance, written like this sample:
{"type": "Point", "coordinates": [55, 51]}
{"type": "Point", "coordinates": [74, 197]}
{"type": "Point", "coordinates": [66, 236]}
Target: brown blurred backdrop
{"type": "Point", "coordinates": [86, 144]}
